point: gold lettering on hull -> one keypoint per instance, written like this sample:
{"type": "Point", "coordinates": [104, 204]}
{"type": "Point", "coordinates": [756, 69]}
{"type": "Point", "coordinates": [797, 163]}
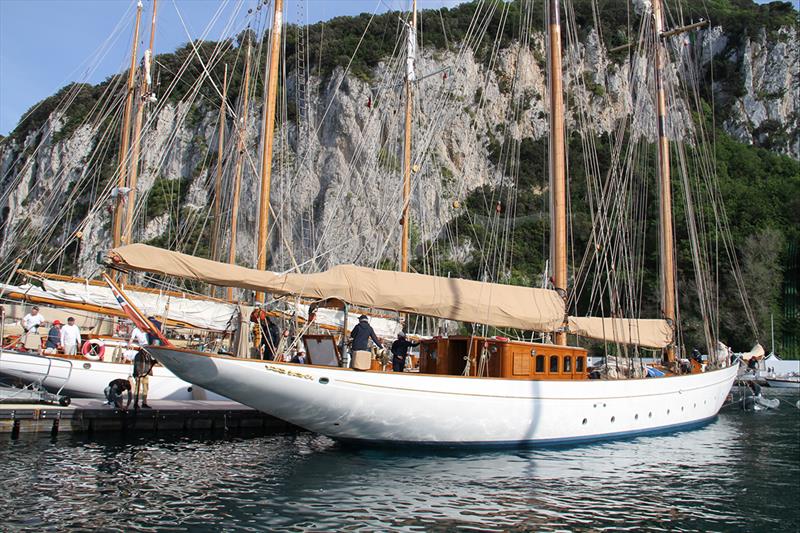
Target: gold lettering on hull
{"type": "Point", "coordinates": [286, 372]}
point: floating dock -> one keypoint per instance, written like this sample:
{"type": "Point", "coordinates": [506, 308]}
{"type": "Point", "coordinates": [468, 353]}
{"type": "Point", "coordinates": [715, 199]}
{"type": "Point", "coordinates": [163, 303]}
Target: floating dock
{"type": "Point", "coordinates": [95, 416]}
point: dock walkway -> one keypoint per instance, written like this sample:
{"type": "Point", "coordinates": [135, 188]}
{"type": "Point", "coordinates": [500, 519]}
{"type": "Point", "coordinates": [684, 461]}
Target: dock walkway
{"type": "Point", "coordinates": [90, 415]}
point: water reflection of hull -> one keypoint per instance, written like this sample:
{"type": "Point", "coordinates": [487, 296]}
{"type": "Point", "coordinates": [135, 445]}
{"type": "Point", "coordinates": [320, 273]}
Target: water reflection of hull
{"type": "Point", "coordinates": [444, 410]}
{"type": "Point", "coordinates": [87, 379]}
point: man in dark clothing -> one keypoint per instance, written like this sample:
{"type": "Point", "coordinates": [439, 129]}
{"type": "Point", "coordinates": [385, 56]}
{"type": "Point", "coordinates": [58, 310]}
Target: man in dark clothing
{"type": "Point", "coordinates": [114, 393]}
{"type": "Point", "coordinates": [53, 338]}
{"type": "Point", "coordinates": [270, 337]}
{"type": "Point", "coordinates": [361, 335]}
{"type": "Point", "coordinates": [152, 338]}
{"type": "Point", "coordinates": [143, 365]}
{"type": "Point", "coordinates": [400, 351]}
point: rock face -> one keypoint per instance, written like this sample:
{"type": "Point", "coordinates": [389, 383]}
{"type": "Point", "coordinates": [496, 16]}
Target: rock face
{"type": "Point", "coordinates": [337, 181]}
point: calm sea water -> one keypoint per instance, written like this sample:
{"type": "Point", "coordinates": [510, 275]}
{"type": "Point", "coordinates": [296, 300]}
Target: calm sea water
{"type": "Point", "coordinates": [739, 473]}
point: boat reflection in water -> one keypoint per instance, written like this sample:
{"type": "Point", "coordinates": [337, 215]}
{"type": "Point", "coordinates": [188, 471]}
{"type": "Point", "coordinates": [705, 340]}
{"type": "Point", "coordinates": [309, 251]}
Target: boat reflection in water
{"type": "Point", "coordinates": [738, 472]}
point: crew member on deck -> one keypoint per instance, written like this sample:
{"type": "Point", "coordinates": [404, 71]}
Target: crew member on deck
{"type": "Point", "coordinates": [32, 321]}
{"type": "Point", "coordinates": [270, 336]}
{"type": "Point", "coordinates": [53, 338]}
{"type": "Point", "coordinates": [400, 351]}
{"type": "Point", "coordinates": [361, 335]}
{"type": "Point", "coordinates": [152, 338]}
{"type": "Point", "coordinates": [70, 337]}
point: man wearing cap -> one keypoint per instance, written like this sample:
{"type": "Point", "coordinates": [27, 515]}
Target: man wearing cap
{"type": "Point", "coordinates": [361, 335]}
{"type": "Point", "coordinates": [400, 351]}
{"type": "Point", "coordinates": [32, 321]}
{"type": "Point", "coordinates": [53, 338]}
{"type": "Point", "coordinates": [70, 337]}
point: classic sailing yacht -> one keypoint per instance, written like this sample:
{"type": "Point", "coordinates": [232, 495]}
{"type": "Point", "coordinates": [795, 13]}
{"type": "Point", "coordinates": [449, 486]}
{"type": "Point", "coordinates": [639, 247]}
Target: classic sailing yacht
{"type": "Point", "coordinates": [470, 390]}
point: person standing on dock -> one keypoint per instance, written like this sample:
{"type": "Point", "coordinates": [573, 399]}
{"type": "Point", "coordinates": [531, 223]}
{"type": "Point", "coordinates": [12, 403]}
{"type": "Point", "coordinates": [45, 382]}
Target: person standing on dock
{"type": "Point", "coordinates": [70, 337]}
{"type": "Point", "coordinates": [53, 338]}
{"type": "Point", "coordinates": [143, 365]}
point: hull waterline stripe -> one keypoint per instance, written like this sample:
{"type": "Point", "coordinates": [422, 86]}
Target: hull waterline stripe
{"type": "Point", "coordinates": [567, 441]}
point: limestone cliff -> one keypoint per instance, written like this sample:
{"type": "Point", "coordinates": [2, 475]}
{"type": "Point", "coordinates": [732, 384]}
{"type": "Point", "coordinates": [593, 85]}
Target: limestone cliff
{"type": "Point", "coordinates": [337, 183]}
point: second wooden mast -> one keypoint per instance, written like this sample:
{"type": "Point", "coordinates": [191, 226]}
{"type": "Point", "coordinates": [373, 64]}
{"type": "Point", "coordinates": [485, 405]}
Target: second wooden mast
{"type": "Point", "coordinates": [558, 171]}
{"type": "Point", "coordinates": [267, 139]}
{"type": "Point", "coordinates": [410, 78]}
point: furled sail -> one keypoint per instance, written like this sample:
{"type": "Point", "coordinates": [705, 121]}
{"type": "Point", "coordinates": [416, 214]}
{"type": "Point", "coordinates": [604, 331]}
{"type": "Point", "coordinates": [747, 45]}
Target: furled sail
{"type": "Point", "coordinates": [650, 333]}
{"type": "Point", "coordinates": [456, 299]}
{"type": "Point", "coordinates": [192, 312]}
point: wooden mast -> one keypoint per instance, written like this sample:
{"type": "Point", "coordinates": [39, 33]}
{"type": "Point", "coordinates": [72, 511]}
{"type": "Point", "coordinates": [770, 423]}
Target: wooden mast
{"type": "Point", "coordinates": [126, 130]}
{"type": "Point", "coordinates": [267, 139]}
{"type": "Point", "coordinates": [144, 96]}
{"type": "Point", "coordinates": [407, 142]}
{"type": "Point", "coordinates": [558, 182]}
{"type": "Point", "coordinates": [241, 131]}
{"type": "Point", "coordinates": [218, 181]}
{"type": "Point", "coordinates": [665, 188]}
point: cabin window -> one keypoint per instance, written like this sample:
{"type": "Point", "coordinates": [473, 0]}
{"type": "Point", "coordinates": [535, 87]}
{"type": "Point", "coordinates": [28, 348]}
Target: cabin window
{"type": "Point", "coordinates": [568, 365]}
{"type": "Point", "coordinates": [553, 364]}
{"type": "Point", "coordinates": [579, 364]}
{"type": "Point", "coordinates": [539, 364]}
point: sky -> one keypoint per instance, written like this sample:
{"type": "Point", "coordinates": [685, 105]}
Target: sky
{"type": "Point", "coordinates": [46, 44]}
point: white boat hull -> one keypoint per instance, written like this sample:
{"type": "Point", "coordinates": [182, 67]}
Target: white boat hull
{"type": "Point", "coordinates": [784, 383]}
{"type": "Point", "coordinates": [447, 410]}
{"type": "Point", "coordinates": [88, 379]}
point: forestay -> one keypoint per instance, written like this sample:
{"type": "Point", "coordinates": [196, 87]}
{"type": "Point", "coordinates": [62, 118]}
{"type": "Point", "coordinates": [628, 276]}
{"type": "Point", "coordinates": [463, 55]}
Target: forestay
{"type": "Point", "coordinates": [456, 299]}
{"type": "Point", "coordinates": [650, 333]}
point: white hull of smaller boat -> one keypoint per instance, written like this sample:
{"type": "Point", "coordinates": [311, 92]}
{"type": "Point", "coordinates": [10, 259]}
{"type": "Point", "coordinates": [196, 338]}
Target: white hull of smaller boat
{"type": "Point", "coordinates": [88, 379]}
{"type": "Point", "coordinates": [784, 383]}
{"type": "Point", "coordinates": [447, 410]}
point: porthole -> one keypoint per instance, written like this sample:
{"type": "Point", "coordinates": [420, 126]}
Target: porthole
{"type": "Point", "coordinates": [87, 366]}
{"type": "Point", "coordinates": [636, 417]}
{"type": "Point", "coordinates": [324, 381]}
{"type": "Point", "coordinates": [613, 418]}
{"type": "Point", "coordinates": [604, 405]}
{"type": "Point", "coordinates": [584, 421]}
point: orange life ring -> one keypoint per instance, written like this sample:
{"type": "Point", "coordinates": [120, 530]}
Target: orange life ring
{"type": "Point", "coordinates": [93, 349]}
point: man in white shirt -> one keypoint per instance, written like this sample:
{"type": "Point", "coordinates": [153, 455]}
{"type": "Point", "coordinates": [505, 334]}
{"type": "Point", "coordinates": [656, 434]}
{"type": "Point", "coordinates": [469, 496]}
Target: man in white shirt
{"type": "Point", "coordinates": [32, 321]}
{"type": "Point", "coordinates": [70, 337]}
{"type": "Point", "coordinates": [138, 337]}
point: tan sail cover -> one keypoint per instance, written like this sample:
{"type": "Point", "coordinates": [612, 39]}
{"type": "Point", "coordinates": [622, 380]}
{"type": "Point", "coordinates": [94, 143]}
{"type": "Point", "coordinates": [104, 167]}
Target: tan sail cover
{"type": "Point", "coordinates": [456, 299]}
{"type": "Point", "coordinates": [651, 333]}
